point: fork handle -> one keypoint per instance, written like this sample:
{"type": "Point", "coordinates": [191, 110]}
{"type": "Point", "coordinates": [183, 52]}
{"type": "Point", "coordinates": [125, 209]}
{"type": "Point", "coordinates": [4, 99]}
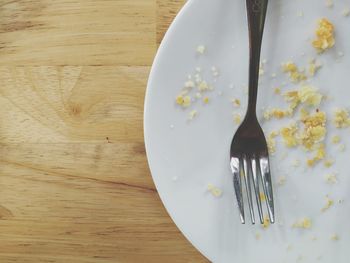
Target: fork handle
{"type": "Point", "coordinates": [256, 13]}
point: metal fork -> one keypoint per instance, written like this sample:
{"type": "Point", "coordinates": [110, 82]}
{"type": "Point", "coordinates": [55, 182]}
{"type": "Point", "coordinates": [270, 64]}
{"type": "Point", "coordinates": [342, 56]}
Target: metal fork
{"type": "Point", "coordinates": [249, 153]}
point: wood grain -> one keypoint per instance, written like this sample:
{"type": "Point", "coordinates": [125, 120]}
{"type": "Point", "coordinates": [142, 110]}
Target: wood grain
{"type": "Point", "coordinates": [74, 180]}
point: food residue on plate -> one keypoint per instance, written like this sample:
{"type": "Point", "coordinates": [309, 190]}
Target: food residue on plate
{"type": "Point", "coordinates": [324, 36]}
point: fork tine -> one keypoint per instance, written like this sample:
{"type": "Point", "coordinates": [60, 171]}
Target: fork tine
{"type": "Point", "coordinates": [256, 188]}
{"type": "Point", "coordinates": [236, 171]}
{"type": "Point", "coordinates": [267, 185]}
{"type": "Point", "coordinates": [247, 181]}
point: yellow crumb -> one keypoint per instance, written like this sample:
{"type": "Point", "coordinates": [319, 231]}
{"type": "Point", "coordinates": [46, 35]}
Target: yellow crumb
{"type": "Point", "coordinates": [289, 135]}
{"type": "Point", "coordinates": [192, 114]}
{"type": "Point", "coordinates": [214, 190]}
{"type": "Point", "coordinates": [277, 90]}
{"type": "Point", "coordinates": [262, 196]}
{"type": "Point", "coordinates": [271, 142]}
{"type": "Point", "coordinates": [328, 163]}
{"type": "Point", "coordinates": [266, 222]}
{"type": "Point", "coordinates": [201, 49]}
{"type": "Point", "coordinates": [277, 113]}
{"type": "Point", "coordinates": [206, 100]}
{"type": "Point", "coordinates": [313, 67]}
{"type": "Point", "coordinates": [304, 224]}
{"type": "Point", "coordinates": [334, 237]}
{"type": "Point", "coordinates": [236, 102]}
{"type": "Point", "coordinates": [329, 203]}
{"type": "Point", "coordinates": [346, 11]}
{"type": "Point", "coordinates": [203, 86]}
{"type": "Point", "coordinates": [320, 154]}
{"type": "Point", "coordinates": [324, 35]}
{"type": "Point", "coordinates": [309, 95]}
{"type": "Point", "coordinates": [179, 100]}
{"type": "Point", "coordinates": [295, 75]}
{"type": "Point", "coordinates": [342, 147]}
{"type": "Point", "coordinates": [331, 178]}
{"type": "Point", "coordinates": [329, 3]}
{"type": "Point", "coordinates": [314, 129]}
{"type": "Point", "coordinates": [335, 139]}
{"type": "Point", "coordinates": [341, 118]}
{"type": "Point", "coordinates": [237, 118]}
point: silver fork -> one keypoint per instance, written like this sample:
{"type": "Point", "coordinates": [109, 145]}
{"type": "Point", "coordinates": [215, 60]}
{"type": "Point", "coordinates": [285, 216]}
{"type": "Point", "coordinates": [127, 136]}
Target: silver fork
{"type": "Point", "coordinates": [249, 153]}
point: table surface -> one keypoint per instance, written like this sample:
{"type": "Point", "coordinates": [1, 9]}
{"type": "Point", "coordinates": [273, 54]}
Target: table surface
{"type": "Point", "coordinates": [74, 180]}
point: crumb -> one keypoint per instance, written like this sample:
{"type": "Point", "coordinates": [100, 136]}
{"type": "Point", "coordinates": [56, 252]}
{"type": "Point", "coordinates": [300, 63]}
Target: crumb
{"type": "Point", "coordinates": [346, 12]}
{"type": "Point", "coordinates": [324, 36]}
{"type": "Point", "coordinates": [271, 142]}
{"type": "Point", "coordinates": [341, 147]}
{"type": "Point", "coordinates": [300, 13]}
{"type": "Point", "coordinates": [314, 129]}
{"type": "Point", "coordinates": [329, 203]}
{"type": "Point", "coordinates": [314, 238]}
{"type": "Point", "coordinates": [198, 95]}
{"type": "Point", "coordinates": [334, 237]}
{"type": "Point", "coordinates": [175, 178]}
{"type": "Point", "coordinates": [198, 69]}
{"type": "Point", "coordinates": [237, 118]}
{"type": "Point", "coordinates": [335, 139]}
{"type": "Point", "coordinates": [203, 86]}
{"type": "Point", "coordinates": [341, 118]}
{"type": "Point", "coordinates": [201, 49]}
{"type": "Point", "coordinates": [183, 101]}
{"type": "Point", "coordinates": [262, 196]}
{"type": "Point", "coordinates": [277, 90]}
{"type": "Point", "coordinates": [206, 100]}
{"type": "Point", "coordinates": [189, 84]}
{"type": "Point", "coordinates": [331, 178]}
{"type": "Point", "coordinates": [295, 75]}
{"type": "Point", "coordinates": [329, 3]}
{"type": "Point", "coordinates": [266, 222]}
{"type": "Point", "coordinates": [289, 247]}
{"type": "Point", "coordinates": [214, 190]}
{"type": "Point", "coordinates": [304, 224]}
{"type": "Point", "coordinates": [328, 163]}
{"type": "Point", "coordinates": [289, 135]}
{"type": "Point", "coordinates": [313, 67]}
{"type": "Point", "coordinates": [236, 102]}
{"type": "Point", "coordinates": [192, 114]}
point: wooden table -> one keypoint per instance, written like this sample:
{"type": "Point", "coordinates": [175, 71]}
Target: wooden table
{"type": "Point", "coordinates": [74, 180]}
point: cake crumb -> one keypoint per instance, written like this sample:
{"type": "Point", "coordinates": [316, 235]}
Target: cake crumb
{"type": "Point", "coordinates": [331, 179]}
{"type": "Point", "coordinates": [206, 100]}
{"type": "Point", "coordinates": [192, 115]}
{"type": "Point", "coordinates": [329, 3]}
{"type": "Point", "coordinates": [341, 118]}
{"type": "Point", "coordinates": [304, 224]}
{"type": "Point", "coordinates": [328, 163]}
{"type": "Point", "coordinates": [335, 139]}
{"type": "Point", "coordinates": [324, 35]}
{"type": "Point", "coordinates": [334, 237]}
{"type": "Point", "coordinates": [201, 49]}
{"type": "Point", "coordinates": [266, 222]}
{"type": "Point", "coordinates": [329, 203]}
{"type": "Point", "coordinates": [237, 118]}
{"type": "Point", "coordinates": [214, 190]}
{"type": "Point", "coordinates": [346, 12]}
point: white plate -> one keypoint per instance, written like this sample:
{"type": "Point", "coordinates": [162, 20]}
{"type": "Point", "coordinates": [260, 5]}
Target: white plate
{"type": "Point", "coordinates": [185, 156]}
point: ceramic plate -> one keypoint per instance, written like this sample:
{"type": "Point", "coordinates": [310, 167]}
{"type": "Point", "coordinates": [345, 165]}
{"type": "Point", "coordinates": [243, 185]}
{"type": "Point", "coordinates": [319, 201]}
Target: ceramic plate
{"type": "Point", "coordinates": [185, 156]}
